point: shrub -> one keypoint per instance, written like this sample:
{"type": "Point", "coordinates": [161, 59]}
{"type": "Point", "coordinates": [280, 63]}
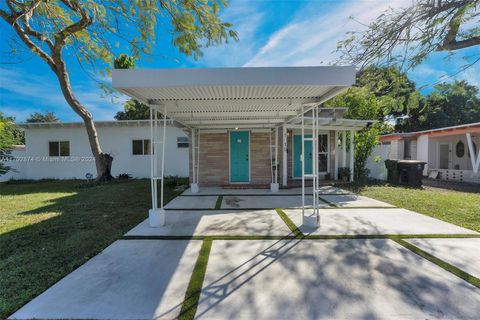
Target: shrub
{"type": "Point", "coordinates": [124, 176]}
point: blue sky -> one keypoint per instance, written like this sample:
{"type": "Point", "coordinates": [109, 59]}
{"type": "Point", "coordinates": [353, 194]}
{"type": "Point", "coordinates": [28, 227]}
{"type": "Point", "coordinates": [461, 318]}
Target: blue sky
{"type": "Point", "coordinates": [272, 33]}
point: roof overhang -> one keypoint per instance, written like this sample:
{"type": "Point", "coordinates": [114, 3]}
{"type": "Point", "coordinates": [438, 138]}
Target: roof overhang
{"type": "Point", "coordinates": [234, 97]}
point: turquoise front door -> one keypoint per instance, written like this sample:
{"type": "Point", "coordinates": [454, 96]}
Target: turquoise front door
{"type": "Point", "coordinates": [297, 153]}
{"type": "Point", "coordinates": [239, 157]}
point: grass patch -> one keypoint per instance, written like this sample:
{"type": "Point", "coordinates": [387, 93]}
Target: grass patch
{"type": "Point", "coordinates": [50, 228]}
{"type": "Point", "coordinates": [442, 264]}
{"type": "Point", "coordinates": [460, 208]}
{"type": "Point", "coordinates": [218, 204]}
{"type": "Point", "coordinates": [194, 289]}
{"type": "Point", "coordinates": [292, 226]}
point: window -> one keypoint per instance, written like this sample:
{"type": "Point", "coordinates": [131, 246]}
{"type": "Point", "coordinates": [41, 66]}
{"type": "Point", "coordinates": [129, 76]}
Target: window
{"type": "Point", "coordinates": [182, 142]}
{"type": "Point", "coordinates": [59, 148]}
{"type": "Point", "coordinates": [323, 153]}
{"type": "Point", "coordinates": [141, 147]}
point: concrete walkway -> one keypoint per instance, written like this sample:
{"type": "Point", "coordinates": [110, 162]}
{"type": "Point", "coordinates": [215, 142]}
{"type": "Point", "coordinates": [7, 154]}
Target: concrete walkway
{"type": "Point", "coordinates": [287, 278]}
{"type": "Point", "coordinates": [330, 279]}
{"type": "Point", "coordinates": [216, 222]}
{"type": "Point", "coordinates": [131, 279]}
{"type": "Point", "coordinates": [462, 253]}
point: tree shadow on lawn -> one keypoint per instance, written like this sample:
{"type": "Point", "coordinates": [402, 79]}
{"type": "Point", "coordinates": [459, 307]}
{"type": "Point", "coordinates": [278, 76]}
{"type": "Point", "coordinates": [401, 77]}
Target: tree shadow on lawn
{"type": "Point", "coordinates": [35, 256]}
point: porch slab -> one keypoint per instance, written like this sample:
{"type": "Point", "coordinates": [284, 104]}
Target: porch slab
{"type": "Point", "coordinates": [462, 253]}
{"type": "Point", "coordinates": [343, 221]}
{"type": "Point", "coordinates": [265, 202]}
{"type": "Point", "coordinates": [214, 222]}
{"type": "Point", "coordinates": [353, 200]}
{"type": "Point", "coordinates": [330, 279]}
{"type": "Point", "coordinates": [134, 279]}
{"type": "Point", "coordinates": [292, 191]}
{"type": "Point", "coordinates": [193, 202]}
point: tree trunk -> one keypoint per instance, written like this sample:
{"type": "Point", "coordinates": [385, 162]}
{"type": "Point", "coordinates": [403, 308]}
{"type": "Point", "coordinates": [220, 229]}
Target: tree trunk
{"type": "Point", "coordinates": [103, 161]}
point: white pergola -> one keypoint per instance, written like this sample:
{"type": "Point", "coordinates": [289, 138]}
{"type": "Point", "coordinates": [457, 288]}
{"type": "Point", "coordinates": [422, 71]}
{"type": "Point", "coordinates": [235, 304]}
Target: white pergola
{"type": "Point", "coordinates": [271, 98]}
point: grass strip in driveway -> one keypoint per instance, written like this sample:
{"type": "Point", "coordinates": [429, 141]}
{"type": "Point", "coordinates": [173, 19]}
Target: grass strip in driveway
{"type": "Point", "coordinates": [442, 264]}
{"type": "Point", "coordinates": [218, 204]}
{"type": "Point", "coordinates": [194, 289]}
{"type": "Point", "coordinates": [292, 226]}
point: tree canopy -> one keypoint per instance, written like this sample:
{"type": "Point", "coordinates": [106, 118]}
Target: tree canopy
{"type": "Point", "coordinates": [363, 104]}
{"type": "Point", "coordinates": [407, 35]}
{"type": "Point", "coordinates": [93, 32]}
{"type": "Point", "coordinates": [398, 94]}
{"type": "Point", "coordinates": [133, 110]}
{"type": "Point", "coordinates": [48, 116]}
{"type": "Point", "coordinates": [9, 136]}
{"type": "Point", "coordinates": [449, 104]}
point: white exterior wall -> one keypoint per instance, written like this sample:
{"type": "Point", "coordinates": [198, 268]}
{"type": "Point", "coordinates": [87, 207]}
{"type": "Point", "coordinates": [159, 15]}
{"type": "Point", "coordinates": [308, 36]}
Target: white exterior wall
{"type": "Point", "coordinates": [422, 152]}
{"type": "Point", "coordinates": [396, 149]}
{"type": "Point", "coordinates": [114, 140]}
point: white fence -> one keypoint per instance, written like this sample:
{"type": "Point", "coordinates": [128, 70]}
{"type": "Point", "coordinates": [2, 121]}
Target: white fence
{"type": "Point", "coordinates": [376, 162]}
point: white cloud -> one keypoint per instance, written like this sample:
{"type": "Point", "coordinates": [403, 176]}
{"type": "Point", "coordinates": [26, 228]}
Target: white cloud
{"type": "Point", "coordinates": [247, 19]}
{"type": "Point", "coordinates": [23, 93]}
{"type": "Point", "coordinates": [311, 39]}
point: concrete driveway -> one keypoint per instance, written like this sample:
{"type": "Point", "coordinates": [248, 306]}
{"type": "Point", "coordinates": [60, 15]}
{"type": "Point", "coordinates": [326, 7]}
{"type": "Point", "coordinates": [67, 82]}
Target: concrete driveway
{"type": "Point", "coordinates": [258, 269]}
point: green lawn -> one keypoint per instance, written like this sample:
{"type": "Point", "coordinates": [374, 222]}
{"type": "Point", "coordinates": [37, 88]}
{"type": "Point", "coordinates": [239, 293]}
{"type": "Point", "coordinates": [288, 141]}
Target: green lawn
{"type": "Point", "coordinates": [49, 228]}
{"type": "Point", "coordinates": [460, 208]}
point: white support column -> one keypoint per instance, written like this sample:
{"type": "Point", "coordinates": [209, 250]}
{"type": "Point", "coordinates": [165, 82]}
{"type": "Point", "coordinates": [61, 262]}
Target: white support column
{"type": "Point", "coordinates": [335, 165]}
{"type": "Point", "coordinates": [284, 156]}
{"type": "Point", "coordinates": [274, 185]}
{"type": "Point", "coordinates": [194, 184]}
{"type": "Point", "coordinates": [352, 158]}
{"type": "Point", "coordinates": [344, 148]}
{"type": "Point", "coordinates": [198, 158]}
{"type": "Point", "coordinates": [156, 215]}
{"type": "Point", "coordinates": [164, 139]}
{"type": "Point", "coordinates": [302, 157]}
{"type": "Point", "coordinates": [474, 158]}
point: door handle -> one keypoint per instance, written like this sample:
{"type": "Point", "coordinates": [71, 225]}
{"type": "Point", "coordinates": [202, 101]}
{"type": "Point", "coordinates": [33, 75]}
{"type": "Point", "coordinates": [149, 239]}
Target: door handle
{"type": "Point", "coordinates": [246, 158]}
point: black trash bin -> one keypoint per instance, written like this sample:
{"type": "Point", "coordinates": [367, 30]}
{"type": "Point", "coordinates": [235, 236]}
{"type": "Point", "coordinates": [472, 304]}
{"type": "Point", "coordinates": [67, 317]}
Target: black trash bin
{"type": "Point", "coordinates": [410, 172]}
{"type": "Point", "coordinates": [392, 170]}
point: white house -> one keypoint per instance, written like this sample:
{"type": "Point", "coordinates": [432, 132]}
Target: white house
{"type": "Point", "coordinates": [451, 153]}
{"type": "Point", "coordinates": [249, 126]}
{"type": "Point", "coordinates": [61, 150]}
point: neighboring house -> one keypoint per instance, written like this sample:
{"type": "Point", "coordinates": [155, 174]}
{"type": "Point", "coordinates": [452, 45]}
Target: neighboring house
{"type": "Point", "coordinates": [447, 151]}
{"type": "Point", "coordinates": [61, 150]}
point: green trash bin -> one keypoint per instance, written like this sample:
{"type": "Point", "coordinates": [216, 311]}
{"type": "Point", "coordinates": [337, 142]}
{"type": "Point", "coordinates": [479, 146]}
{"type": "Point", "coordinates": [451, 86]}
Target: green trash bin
{"type": "Point", "coordinates": [392, 170]}
{"type": "Point", "coordinates": [411, 172]}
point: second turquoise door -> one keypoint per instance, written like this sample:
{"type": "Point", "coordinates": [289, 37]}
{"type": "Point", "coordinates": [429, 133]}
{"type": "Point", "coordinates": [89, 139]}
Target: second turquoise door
{"type": "Point", "coordinates": [239, 157]}
{"type": "Point", "coordinates": [297, 154]}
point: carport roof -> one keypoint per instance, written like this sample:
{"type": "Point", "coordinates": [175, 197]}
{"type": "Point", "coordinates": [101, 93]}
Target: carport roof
{"type": "Point", "coordinates": [235, 97]}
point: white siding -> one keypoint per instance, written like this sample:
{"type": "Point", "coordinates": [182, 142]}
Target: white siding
{"type": "Point", "coordinates": [116, 141]}
{"type": "Point", "coordinates": [423, 151]}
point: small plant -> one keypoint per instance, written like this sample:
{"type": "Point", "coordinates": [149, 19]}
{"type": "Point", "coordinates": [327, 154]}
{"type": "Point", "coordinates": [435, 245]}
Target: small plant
{"type": "Point", "coordinates": [174, 181]}
{"type": "Point", "coordinates": [124, 176]}
{"type": "Point", "coordinates": [344, 173]}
